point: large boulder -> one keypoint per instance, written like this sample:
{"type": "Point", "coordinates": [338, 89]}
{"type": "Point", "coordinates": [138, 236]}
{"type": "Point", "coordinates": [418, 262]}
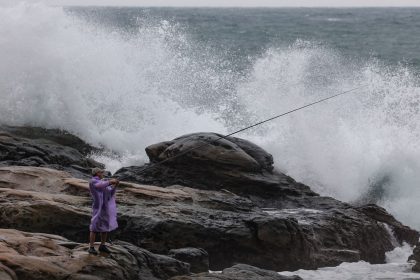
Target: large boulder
{"type": "Point", "coordinates": [26, 146]}
{"type": "Point", "coordinates": [333, 231]}
{"type": "Point", "coordinates": [212, 148]}
{"type": "Point", "coordinates": [206, 161]}
{"type": "Point", "coordinates": [40, 256]}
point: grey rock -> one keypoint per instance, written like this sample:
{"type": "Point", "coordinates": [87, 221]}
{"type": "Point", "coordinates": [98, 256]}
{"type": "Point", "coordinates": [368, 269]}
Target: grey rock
{"type": "Point", "coordinates": [239, 272]}
{"type": "Point", "coordinates": [60, 137]}
{"type": "Point", "coordinates": [232, 163]}
{"type": "Point", "coordinates": [237, 213]}
{"type": "Point", "coordinates": [400, 231]}
{"type": "Point", "coordinates": [322, 229]}
{"type": "Point", "coordinates": [38, 256]}
{"type": "Point", "coordinates": [309, 232]}
{"type": "Point", "coordinates": [56, 149]}
{"type": "Point", "coordinates": [416, 258]}
{"type": "Point", "coordinates": [197, 258]}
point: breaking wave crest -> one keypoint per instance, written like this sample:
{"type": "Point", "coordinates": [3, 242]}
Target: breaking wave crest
{"type": "Point", "coordinates": [110, 88]}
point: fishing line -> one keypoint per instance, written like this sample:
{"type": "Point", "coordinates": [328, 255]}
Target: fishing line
{"type": "Point", "coordinates": [251, 126]}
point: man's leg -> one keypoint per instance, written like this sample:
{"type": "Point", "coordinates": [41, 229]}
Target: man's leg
{"type": "Point", "coordinates": [92, 238]}
{"type": "Point", "coordinates": [104, 235]}
{"type": "Point", "coordinates": [102, 247]}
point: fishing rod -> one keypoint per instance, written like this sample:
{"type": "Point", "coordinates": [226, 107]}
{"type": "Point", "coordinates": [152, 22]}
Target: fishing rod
{"type": "Point", "coordinates": [251, 126]}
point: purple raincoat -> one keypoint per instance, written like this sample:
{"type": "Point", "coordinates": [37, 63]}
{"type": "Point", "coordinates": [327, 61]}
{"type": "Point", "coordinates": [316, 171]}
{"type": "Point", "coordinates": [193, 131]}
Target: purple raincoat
{"type": "Point", "coordinates": [104, 208]}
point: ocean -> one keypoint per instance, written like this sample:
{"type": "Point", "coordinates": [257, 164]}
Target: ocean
{"type": "Point", "coordinates": [125, 78]}
{"type": "Point", "coordinates": [241, 35]}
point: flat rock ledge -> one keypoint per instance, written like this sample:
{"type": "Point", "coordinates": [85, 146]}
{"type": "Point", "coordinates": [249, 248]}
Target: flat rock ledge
{"type": "Point", "coordinates": [40, 256]}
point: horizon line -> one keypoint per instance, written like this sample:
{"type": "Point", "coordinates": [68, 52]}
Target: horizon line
{"type": "Point", "coordinates": [239, 7]}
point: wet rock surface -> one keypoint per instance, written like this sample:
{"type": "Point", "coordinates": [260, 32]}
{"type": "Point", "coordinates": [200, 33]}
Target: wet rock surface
{"type": "Point", "coordinates": [40, 256]}
{"type": "Point", "coordinates": [27, 146]}
{"type": "Point", "coordinates": [225, 199]}
{"type": "Point", "coordinates": [239, 272]}
{"type": "Point", "coordinates": [333, 231]}
{"type": "Point", "coordinates": [197, 258]}
{"type": "Point", "coordinates": [229, 227]}
{"type": "Point", "coordinates": [159, 219]}
{"type": "Point", "coordinates": [416, 258]}
{"type": "Point", "coordinates": [232, 163]}
{"type": "Point", "coordinates": [400, 231]}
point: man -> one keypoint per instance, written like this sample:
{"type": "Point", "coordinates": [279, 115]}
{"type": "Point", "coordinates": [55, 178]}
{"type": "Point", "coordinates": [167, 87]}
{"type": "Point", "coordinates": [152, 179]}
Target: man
{"type": "Point", "coordinates": [104, 209]}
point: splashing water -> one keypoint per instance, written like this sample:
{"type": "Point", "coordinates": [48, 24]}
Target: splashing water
{"type": "Point", "coordinates": [110, 89]}
{"type": "Point", "coordinates": [126, 90]}
{"type": "Point", "coordinates": [343, 146]}
{"type": "Point", "coordinates": [396, 268]}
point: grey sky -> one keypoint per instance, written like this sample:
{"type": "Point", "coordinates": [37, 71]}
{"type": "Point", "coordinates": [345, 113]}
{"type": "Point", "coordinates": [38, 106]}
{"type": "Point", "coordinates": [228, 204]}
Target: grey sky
{"type": "Point", "coordinates": [241, 3]}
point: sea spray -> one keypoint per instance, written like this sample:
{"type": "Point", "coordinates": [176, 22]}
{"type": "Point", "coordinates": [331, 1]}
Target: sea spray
{"type": "Point", "coordinates": [396, 267]}
{"type": "Point", "coordinates": [342, 147]}
{"type": "Point", "coordinates": [111, 89]}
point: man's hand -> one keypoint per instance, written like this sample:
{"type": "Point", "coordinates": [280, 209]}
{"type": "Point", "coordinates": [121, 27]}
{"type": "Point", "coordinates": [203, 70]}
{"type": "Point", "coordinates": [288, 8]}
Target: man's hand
{"type": "Point", "coordinates": [114, 182]}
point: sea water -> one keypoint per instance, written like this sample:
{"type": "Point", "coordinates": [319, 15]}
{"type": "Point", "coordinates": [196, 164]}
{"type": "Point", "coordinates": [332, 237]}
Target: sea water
{"type": "Point", "coordinates": [125, 78]}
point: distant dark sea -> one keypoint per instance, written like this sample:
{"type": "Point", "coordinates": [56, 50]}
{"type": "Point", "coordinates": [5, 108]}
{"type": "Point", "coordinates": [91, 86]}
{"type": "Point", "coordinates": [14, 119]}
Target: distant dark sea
{"type": "Point", "coordinates": [389, 34]}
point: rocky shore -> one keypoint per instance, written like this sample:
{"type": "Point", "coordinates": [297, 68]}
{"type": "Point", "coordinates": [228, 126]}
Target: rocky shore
{"type": "Point", "coordinates": [221, 207]}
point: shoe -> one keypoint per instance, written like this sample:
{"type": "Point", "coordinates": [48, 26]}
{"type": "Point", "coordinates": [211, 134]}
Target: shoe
{"type": "Point", "coordinates": [104, 249]}
{"type": "Point", "coordinates": [92, 251]}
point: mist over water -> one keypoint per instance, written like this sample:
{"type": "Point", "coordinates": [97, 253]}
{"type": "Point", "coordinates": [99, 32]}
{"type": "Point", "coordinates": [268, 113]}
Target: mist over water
{"type": "Point", "coordinates": [363, 145]}
{"type": "Point", "coordinates": [126, 89]}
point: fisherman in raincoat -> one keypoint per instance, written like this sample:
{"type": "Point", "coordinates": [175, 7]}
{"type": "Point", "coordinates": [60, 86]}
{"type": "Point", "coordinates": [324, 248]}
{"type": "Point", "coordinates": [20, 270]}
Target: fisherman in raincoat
{"type": "Point", "coordinates": [104, 209]}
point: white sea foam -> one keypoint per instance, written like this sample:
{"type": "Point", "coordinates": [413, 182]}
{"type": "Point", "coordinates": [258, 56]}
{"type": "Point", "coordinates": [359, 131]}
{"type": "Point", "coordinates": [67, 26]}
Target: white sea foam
{"type": "Point", "coordinates": [128, 90]}
{"type": "Point", "coordinates": [396, 268]}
